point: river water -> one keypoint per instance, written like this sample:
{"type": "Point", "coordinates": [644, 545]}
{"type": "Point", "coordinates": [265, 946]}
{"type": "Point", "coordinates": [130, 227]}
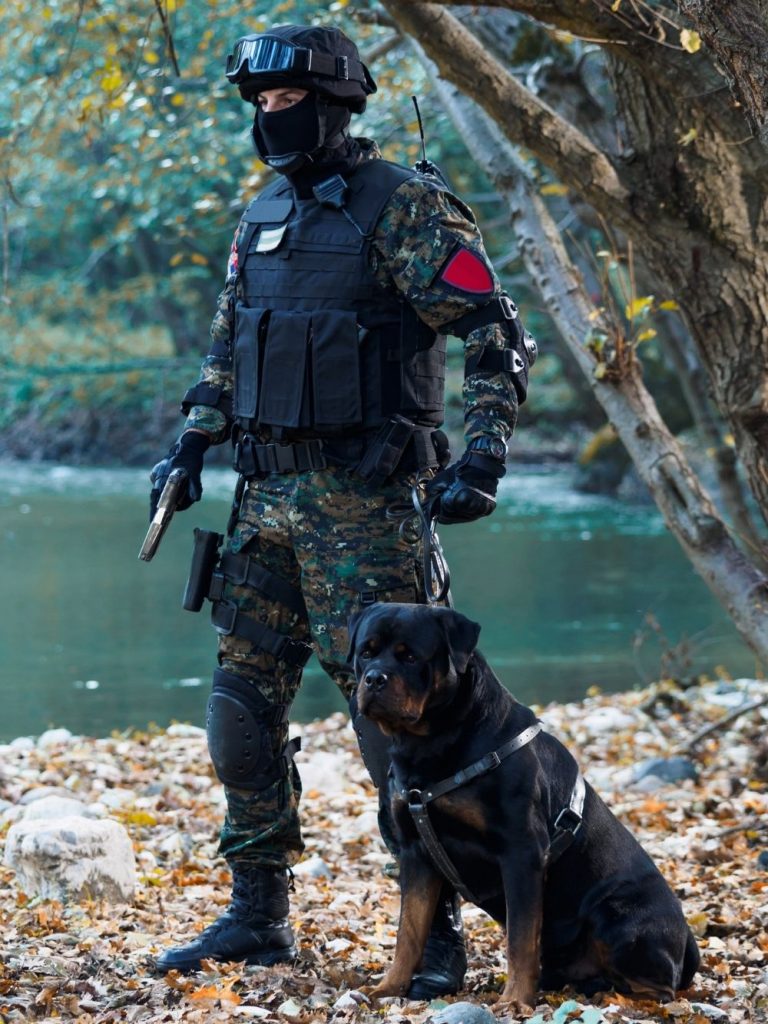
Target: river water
{"type": "Point", "coordinates": [95, 640]}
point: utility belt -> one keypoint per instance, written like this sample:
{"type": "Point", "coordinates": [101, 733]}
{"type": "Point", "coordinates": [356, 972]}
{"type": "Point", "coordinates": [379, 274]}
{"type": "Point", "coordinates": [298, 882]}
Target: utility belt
{"type": "Point", "coordinates": [399, 444]}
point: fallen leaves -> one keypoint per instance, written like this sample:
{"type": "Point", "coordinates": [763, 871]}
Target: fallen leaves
{"type": "Point", "coordinates": [93, 963]}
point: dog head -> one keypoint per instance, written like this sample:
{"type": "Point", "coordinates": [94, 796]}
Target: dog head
{"type": "Point", "coordinates": [407, 661]}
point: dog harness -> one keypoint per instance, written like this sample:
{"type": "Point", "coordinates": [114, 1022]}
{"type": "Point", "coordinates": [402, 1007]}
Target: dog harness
{"type": "Point", "coordinates": [566, 825]}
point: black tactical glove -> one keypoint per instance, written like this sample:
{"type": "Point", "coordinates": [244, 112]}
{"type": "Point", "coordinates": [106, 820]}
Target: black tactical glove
{"type": "Point", "coordinates": [466, 490]}
{"type": "Point", "coordinates": [187, 453]}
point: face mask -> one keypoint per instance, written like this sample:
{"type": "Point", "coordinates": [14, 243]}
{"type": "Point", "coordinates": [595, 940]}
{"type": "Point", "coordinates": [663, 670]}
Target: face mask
{"type": "Point", "coordinates": [289, 139]}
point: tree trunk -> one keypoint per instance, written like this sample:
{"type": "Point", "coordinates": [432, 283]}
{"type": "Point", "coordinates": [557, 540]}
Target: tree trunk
{"type": "Point", "coordinates": [686, 507]}
{"type": "Point", "coordinates": [736, 31]}
{"type": "Point", "coordinates": [688, 189]}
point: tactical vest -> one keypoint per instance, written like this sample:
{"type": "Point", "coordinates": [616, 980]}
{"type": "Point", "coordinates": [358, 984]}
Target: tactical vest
{"type": "Point", "coordinates": [320, 347]}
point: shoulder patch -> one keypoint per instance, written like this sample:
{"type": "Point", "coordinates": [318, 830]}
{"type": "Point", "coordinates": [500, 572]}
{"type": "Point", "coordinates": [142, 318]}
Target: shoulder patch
{"type": "Point", "coordinates": [466, 271]}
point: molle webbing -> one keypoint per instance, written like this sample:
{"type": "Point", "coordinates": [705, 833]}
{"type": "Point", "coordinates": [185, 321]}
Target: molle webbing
{"type": "Point", "coordinates": [320, 347]}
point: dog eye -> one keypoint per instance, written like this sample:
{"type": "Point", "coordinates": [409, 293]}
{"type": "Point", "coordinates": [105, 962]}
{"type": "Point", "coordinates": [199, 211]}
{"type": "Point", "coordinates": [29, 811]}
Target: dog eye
{"type": "Point", "coordinates": [409, 657]}
{"type": "Point", "coordinates": [364, 654]}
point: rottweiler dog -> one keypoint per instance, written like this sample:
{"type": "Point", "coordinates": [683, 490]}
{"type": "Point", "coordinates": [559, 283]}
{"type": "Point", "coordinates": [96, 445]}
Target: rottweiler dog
{"type": "Point", "coordinates": [482, 796]}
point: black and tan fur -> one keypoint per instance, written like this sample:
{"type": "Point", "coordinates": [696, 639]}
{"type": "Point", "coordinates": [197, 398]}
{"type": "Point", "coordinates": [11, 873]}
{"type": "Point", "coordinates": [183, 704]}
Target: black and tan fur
{"type": "Point", "coordinates": [601, 917]}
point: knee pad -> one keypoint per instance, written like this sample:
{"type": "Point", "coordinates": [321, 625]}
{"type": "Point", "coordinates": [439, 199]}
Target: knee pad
{"type": "Point", "coordinates": [241, 726]}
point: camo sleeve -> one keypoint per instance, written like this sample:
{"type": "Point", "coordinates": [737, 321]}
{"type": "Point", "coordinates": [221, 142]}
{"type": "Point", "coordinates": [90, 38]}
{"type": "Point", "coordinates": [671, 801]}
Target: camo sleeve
{"type": "Point", "coordinates": [216, 369]}
{"type": "Point", "coordinates": [420, 241]}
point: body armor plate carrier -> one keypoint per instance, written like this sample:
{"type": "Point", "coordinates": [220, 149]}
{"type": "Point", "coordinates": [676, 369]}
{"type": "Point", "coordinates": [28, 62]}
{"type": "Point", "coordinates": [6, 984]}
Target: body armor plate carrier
{"type": "Point", "coordinates": [320, 348]}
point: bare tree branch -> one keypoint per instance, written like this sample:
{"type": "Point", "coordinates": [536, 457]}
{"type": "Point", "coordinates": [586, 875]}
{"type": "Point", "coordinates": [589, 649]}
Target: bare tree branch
{"type": "Point", "coordinates": [524, 118]}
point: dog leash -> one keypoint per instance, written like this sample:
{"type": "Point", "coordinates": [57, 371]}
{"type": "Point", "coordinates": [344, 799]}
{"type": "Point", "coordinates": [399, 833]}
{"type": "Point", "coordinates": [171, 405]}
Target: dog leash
{"type": "Point", "coordinates": [418, 524]}
{"type": "Point", "coordinates": [567, 823]}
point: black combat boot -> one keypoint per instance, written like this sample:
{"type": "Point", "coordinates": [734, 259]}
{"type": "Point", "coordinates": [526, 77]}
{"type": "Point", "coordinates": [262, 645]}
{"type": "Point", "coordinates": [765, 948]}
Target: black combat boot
{"type": "Point", "coordinates": [444, 963]}
{"type": "Point", "coordinates": [254, 927]}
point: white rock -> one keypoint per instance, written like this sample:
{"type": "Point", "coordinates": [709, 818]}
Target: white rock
{"type": "Point", "coordinates": [185, 730]}
{"type": "Point", "coordinates": [116, 798]}
{"type": "Point", "coordinates": [72, 858]}
{"type": "Point", "coordinates": [11, 814]}
{"type": "Point", "coordinates": [171, 845]}
{"type": "Point", "coordinates": [313, 867]}
{"type": "Point", "coordinates": [53, 738]}
{"type": "Point", "coordinates": [603, 720]}
{"type": "Point", "coordinates": [351, 1000]}
{"type": "Point", "coordinates": [41, 792]}
{"type": "Point", "coordinates": [324, 771]}
{"type": "Point", "coordinates": [365, 824]}
{"type": "Point", "coordinates": [147, 860]}
{"type": "Point", "coordinates": [22, 743]}
{"type": "Point", "coordinates": [290, 1008]}
{"type": "Point", "coordinates": [50, 808]}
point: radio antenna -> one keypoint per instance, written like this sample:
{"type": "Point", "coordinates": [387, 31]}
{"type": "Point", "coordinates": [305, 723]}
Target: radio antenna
{"type": "Point", "coordinates": [421, 131]}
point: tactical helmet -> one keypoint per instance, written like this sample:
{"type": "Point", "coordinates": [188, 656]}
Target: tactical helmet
{"type": "Point", "coordinates": [316, 58]}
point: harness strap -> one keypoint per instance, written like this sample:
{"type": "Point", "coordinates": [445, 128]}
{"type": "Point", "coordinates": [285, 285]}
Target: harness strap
{"type": "Point", "coordinates": [418, 801]}
{"type": "Point", "coordinates": [568, 821]}
{"type": "Point", "coordinates": [243, 571]}
{"type": "Point", "coordinates": [229, 622]}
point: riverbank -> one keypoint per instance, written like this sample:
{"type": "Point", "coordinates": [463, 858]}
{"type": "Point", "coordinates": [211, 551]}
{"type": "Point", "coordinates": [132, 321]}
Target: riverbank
{"type": "Point", "coordinates": [91, 962]}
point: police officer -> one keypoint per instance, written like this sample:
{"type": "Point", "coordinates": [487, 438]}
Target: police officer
{"type": "Point", "coordinates": [326, 371]}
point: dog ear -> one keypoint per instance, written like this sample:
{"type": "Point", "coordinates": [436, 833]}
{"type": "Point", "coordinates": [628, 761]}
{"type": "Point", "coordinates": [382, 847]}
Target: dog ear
{"type": "Point", "coordinates": [352, 627]}
{"type": "Point", "coordinates": [461, 634]}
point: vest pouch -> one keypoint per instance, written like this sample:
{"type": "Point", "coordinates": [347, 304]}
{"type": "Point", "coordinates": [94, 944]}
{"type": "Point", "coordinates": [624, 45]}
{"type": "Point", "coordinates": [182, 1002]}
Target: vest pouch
{"type": "Point", "coordinates": [337, 400]}
{"type": "Point", "coordinates": [284, 370]}
{"type": "Point", "coordinates": [248, 328]}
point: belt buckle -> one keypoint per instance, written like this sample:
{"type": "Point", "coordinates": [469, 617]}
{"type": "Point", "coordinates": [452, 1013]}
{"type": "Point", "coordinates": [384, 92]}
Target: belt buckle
{"type": "Point", "coordinates": [229, 608]}
{"type": "Point", "coordinates": [575, 821]}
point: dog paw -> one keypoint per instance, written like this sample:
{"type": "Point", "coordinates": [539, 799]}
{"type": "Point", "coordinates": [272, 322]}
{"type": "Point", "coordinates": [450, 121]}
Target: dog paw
{"type": "Point", "coordinates": [513, 1006]}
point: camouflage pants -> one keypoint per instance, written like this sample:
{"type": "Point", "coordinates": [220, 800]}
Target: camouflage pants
{"type": "Point", "coordinates": [326, 534]}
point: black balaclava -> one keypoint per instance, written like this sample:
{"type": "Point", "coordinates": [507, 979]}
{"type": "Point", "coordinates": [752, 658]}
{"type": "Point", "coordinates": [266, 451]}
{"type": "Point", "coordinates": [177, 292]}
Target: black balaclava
{"type": "Point", "coordinates": [309, 133]}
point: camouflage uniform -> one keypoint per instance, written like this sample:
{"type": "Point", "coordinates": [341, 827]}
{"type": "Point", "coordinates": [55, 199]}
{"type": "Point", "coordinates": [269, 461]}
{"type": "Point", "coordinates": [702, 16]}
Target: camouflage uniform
{"type": "Point", "coordinates": [325, 532]}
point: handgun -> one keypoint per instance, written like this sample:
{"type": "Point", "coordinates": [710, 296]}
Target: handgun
{"type": "Point", "coordinates": [166, 506]}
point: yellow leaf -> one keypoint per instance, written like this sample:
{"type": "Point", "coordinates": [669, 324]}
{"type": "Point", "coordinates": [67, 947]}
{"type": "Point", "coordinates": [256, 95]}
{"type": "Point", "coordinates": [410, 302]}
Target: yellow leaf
{"type": "Point", "coordinates": [199, 259]}
{"type": "Point", "coordinates": [615, 5]}
{"type": "Point", "coordinates": [603, 254]}
{"type": "Point", "coordinates": [687, 139]}
{"type": "Point", "coordinates": [170, 6]}
{"type": "Point", "coordinates": [554, 190]}
{"type": "Point", "coordinates": [730, 440]}
{"type": "Point", "coordinates": [668, 304]}
{"type": "Point", "coordinates": [151, 57]}
{"type": "Point", "coordinates": [176, 259]}
{"type": "Point", "coordinates": [638, 306]}
{"type": "Point", "coordinates": [600, 371]}
{"type": "Point", "coordinates": [594, 314]}
{"type": "Point", "coordinates": [177, 100]}
{"type": "Point", "coordinates": [647, 335]}
{"type": "Point", "coordinates": [690, 40]}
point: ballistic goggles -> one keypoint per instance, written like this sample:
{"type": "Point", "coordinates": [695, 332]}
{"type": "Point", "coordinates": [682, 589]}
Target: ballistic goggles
{"type": "Point", "coordinates": [269, 55]}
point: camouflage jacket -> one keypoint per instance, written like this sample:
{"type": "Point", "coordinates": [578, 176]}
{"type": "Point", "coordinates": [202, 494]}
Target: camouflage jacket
{"type": "Point", "coordinates": [417, 231]}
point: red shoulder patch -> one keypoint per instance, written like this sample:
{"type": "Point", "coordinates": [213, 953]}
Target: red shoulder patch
{"type": "Point", "coordinates": [467, 271]}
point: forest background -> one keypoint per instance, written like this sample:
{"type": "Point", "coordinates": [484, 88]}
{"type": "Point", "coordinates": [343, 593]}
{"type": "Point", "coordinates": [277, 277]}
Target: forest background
{"type": "Point", "coordinates": [615, 152]}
